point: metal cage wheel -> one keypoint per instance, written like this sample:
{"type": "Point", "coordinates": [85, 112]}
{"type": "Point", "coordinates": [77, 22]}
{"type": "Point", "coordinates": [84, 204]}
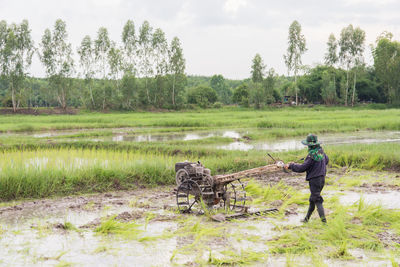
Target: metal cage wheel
{"type": "Point", "coordinates": [234, 196]}
{"type": "Point", "coordinates": [189, 196]}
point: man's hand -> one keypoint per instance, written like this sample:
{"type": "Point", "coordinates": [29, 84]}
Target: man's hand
{"type": "Point", "coordinates": [286, 166]}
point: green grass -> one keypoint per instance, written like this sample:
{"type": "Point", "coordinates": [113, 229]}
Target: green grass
{"type": "Point", "coordinates": [112, 226]}
{"type": "Point", "coordinates": [61, 169]}
{"type": "Point", "coordinates": [279, 122]}
{"type": "Point", "coordinates": [348, 227]}
{"type": "Point", "coordinates": [73, 163]}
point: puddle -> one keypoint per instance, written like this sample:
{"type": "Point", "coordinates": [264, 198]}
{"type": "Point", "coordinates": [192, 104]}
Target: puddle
{"type": "Point", "coordinates": [388, 200]}
{"type": "Point", "coordinates": [44, 245]}
{"type": "Point", "coordinates": [171, 137]}
{"type": "Point", "coordinates": [337, 139]}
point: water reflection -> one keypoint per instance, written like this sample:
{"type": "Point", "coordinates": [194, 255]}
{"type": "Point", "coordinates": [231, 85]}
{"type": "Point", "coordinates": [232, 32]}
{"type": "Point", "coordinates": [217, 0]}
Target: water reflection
{"type": "Point", "coordinates": [384, 199]}
{"type": "Point", "coordinates": [337, 139]}
{"type": "Point", "coordinates": [172, 137]}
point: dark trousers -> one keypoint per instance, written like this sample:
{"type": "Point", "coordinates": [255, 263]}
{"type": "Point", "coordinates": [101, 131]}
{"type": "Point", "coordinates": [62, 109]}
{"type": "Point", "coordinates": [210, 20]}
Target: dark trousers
{"type": "Point", "coordinates": [316, 186]}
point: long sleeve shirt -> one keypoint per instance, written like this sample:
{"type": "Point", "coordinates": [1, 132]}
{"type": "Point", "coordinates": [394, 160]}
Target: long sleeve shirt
{"type": "Point", "coordinates": [312, 167]}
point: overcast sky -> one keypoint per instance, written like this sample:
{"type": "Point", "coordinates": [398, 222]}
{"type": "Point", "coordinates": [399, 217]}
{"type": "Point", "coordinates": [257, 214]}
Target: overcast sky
{"type": "Point", "coordinates": [218, 36]}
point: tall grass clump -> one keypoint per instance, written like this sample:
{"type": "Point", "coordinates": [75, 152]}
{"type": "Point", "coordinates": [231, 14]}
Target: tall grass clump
{"type": "Point", "coordinates": [124, 229]}
{"type": "Point", "coordinates": [43, 173]}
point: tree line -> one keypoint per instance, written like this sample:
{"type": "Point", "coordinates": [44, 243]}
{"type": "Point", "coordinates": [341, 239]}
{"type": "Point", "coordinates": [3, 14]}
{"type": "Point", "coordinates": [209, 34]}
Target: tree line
{"type": "Point", "coordinates": [344, 78]}
{"type": "Point", "coordinates": [144, 71]}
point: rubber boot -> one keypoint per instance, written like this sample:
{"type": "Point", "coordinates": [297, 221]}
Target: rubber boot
{"type": "Point", "coordinates": [321, 211]}
{"type": "Point", "coordinates": [311, 208]}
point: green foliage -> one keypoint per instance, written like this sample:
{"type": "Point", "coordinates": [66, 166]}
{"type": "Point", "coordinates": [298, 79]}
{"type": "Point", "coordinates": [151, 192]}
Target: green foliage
{"type": "Point", "coordinates": [387, 65]}
{"type": "Point", "coordinates": [217, 83]}
{"type": "Point", "coordinates": [201, 95]}
{"type": "Point", "coordinates": [241, 95]}
{"type": "Point", "coordinates": [257, 69]}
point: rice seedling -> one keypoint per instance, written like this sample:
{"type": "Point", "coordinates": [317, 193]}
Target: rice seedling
{"type": "Point", "coordinates": [265, 195]}
{"type": "Point", "coordinates": [64, 264]}
{"type": "Point", "coordinates": [112, 226]}
{"type": "Point", "coordinates": [237, 258]}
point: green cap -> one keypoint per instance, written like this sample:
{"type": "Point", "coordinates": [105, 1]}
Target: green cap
{"type": "Point", "coordinates": [311, 140]}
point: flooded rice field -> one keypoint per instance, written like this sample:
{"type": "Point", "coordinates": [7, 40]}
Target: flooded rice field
{"type": "Point", "coordinates": [240, 137]}
{"type": "Point", "coordinates": [142, 228]}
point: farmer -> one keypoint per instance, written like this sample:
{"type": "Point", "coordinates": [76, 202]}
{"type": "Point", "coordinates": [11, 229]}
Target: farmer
{"type": "Point", "coordinates": [315, 167]}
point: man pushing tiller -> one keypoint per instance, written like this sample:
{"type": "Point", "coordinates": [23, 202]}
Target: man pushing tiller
{"type": "Point", "coordinates": [315, 167]}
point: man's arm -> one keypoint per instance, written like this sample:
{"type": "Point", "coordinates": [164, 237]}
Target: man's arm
{"type": "Point", "coordinates": [327, 159]}
{"type": "Point", "coordinates": [301, 167]}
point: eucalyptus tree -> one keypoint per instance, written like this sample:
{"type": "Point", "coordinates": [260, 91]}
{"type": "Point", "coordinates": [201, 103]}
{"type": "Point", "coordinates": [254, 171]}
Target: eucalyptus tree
{"type": "Point", "coordinates": [351, 48]}
{"type": "Point", "coordinates": [145, 51]}
{"type": "Point", "coordinates": [102, 46]}
{"type": "Point", "coordinates": [16, 50]}
{"type": "Point", "coordinates": [257, 76]}
{"type": "Point", "coordinates": [296, 48]}
{"type": "Point", "coordinates": [176, 67]}
{"type": "Point", "coordinates": [257, 69]}
{"type": "Point", "coordinates": [130, 44]}
{"type": "Point", "coordinates": [386, 55]}
{"type": "Point", "coordinates": [56, 56]}
{"type": "Point", "coordinates": [331, 57]}
{"type": "Point", "coordinates": [87, 63]}
{"type": "Point", "coordinates": [115, 62]}
{"type": "Point", "coordinates": [160, 60]}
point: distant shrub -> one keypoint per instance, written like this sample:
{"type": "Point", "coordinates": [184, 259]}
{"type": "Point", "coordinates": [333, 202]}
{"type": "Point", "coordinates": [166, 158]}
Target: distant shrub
{"type": "Point", "coordinates": [217, 105]}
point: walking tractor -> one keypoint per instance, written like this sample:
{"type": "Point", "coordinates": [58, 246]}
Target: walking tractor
{"type": "Point", "coordinates": [197, 189]}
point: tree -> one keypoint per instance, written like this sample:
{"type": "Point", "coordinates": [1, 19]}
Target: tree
{"type": "Point", "coordinates": [331, 57]}
{"type": "Point", "coordinates": [256, 94]}
{"type": "Point", "coordinates": [217, 82]}
{"type": "Point", "coordinates": [257, 69]}
{"type": "Point", "coordinates": [16, 50]}
{"type": "Point", "coordinates": [386, 55]}
{"type": "Point", "coordinates": [296, 48]}
{"type": "Point", "coordinates": [128, 90]}
{"type": "Point", "coordinates": [115, 63]}
{"type": "Point", "coordinates": [129, 41]}
{"type": "Point", "coordinates": [56, 56]}
{"type": "Point", "coordinates": [241, 95]}
{"type": "Point", "coordinates": [202, 95]}
{"type": "Point", "coordinates": [269, 86]}
{"type": "Point", "coordinates": [351, 48]}
{"type": "Point", "coordinates": [160, 61]}
{"type": "Point", "coordinates": [145, 53]}
{"type": "Point", "coordinates": [176, 67]}
{"type": "Point", "coordinates": [102, 46]}
{"type": "Point", "coordinates": [87, 63]}
{"type": "Point", "coordinates": [328, 90]}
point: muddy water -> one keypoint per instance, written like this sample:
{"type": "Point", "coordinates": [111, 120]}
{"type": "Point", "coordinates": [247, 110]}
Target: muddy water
{"type": "Point", "coordinates": [171, 137]}
{"type": "Point", "coordinates": [388, 200]}
{"type": "Point", "coordinates": [365, 137]}
{"type": "Point", "coordinates": [31, 236]}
